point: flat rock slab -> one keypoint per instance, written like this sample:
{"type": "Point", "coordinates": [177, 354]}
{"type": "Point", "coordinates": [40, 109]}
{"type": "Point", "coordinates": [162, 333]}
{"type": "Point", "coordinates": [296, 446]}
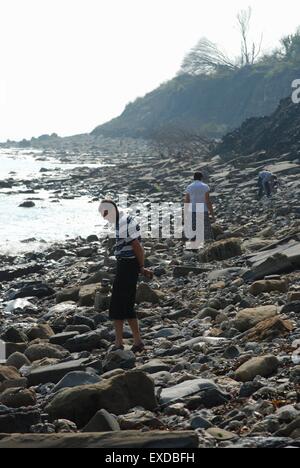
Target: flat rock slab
{"type": "Point", "coordinates": [10, 273]}
{"type": "Point", "coordinates": [122, 439]}
{"type": "Point", "coordinates": [190, 388]}
{"type": "Point", "coordinates": [53, 374]}
{"type": "Point", "coordinates": [278, 260]}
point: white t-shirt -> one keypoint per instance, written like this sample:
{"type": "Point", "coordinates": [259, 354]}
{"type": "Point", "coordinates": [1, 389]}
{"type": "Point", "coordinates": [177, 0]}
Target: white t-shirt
{"type": "Point", "coordinates": [197, 191]}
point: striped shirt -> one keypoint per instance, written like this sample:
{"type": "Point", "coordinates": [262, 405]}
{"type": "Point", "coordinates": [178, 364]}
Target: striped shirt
{"type": "Point", "coordinates": [127, 231]}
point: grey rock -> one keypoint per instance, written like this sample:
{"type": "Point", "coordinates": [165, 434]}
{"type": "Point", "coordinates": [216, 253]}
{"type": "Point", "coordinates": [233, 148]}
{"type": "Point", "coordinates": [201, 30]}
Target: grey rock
{"type": "Point", "coordinates": [102, 422]}
{"type": "Point", "coordinates": [75, 379]}
{"type": "Point", "coordinates": [119, 360]}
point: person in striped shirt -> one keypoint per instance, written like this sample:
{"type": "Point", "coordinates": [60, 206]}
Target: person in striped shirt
{"type": "Point", "coordinates": [130, 264]}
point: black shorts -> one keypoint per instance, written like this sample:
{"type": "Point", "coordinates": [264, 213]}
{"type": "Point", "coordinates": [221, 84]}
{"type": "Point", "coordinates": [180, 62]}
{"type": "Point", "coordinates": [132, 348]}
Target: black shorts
{"type": "Point", "coordinates": [122, 306]}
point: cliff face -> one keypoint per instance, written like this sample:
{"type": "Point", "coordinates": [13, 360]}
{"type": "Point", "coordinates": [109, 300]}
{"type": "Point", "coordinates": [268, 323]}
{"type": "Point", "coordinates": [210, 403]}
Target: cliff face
{"type": "Point", "coordinates": [277, 134]}
{"type": "Point", "coordinates": [213, 105]}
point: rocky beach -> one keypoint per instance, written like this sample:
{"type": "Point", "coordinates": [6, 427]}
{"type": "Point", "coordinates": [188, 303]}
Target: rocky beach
{"type": "Point", "coordinates": [221, 326]}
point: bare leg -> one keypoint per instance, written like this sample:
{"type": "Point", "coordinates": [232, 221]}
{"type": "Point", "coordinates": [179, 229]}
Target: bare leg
{"type": "Point", "coordinates": [119, 327]}
{"type": "Point", "coordinates": [134, 325]}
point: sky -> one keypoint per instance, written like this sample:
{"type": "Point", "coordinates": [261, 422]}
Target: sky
{"type": "Point", "coordinates": [67, 66]}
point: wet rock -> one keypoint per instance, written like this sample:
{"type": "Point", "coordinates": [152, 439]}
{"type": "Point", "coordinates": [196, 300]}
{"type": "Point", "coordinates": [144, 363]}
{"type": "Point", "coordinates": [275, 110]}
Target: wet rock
{"type": "Point", "coordinates": [119, 360]}
{"type": "Point", "coordinates": [18, 398]}
{"type": "Point", "coordinates": [102, 422]}
{"type": "Point", "coordinates": [117, 395]}
{"type": "Point", "coordinates": [264, 366]}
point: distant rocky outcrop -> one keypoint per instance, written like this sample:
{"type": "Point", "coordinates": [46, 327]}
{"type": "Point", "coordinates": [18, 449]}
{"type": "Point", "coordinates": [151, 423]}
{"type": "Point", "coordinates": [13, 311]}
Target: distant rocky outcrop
{"type": "Point", "coordinates": [276, 134]}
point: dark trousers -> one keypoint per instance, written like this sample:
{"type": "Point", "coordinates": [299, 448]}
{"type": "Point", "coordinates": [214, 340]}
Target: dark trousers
{"type": "Point", "coordinates": [264, 189]}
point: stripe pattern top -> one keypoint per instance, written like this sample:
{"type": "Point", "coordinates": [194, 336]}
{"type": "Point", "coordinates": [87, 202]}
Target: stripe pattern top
{"type": "Point", "coordinates": [127, 231]}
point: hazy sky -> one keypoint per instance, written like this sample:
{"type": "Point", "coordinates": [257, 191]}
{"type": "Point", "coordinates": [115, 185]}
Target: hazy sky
{"type": "Point", "coordinates": [68, 65]}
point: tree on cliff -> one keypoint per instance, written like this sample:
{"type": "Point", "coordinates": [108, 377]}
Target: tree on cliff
{"type": "Point", "coordinates": [207, 57]}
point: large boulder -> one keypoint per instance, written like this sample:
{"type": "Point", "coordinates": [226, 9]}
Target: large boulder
{"type": "Point", "coordinates": [248, 318]}
{"type": "Point", "coordinates": [117, 395]}
{"type": "Point", "coordinates": [222, 250]}
{"type": "Point", "coordinates": [263, 366]}
{"type": "Point", "coordinates": [76, 379]}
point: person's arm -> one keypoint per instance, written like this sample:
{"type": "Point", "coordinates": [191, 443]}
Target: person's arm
{"type": "Point", "coordinates": [210, 206]}
{"type": "Point", "coordinates": [187, 198]}
{"type": "Point", "coordinates": [140, 256]}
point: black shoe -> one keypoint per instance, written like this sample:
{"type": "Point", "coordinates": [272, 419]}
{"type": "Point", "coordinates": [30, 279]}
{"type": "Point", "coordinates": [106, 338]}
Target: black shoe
{"type": "Point", "coordinates": [138, 348]}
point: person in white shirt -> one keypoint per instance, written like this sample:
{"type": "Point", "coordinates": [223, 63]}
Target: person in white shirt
{"type": "Point", "coordinates": [197, 196]}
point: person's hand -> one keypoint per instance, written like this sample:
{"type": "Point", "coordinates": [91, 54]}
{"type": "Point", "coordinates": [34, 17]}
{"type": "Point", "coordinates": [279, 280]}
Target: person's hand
{"type": "Point", "coordinates": [147, 273]}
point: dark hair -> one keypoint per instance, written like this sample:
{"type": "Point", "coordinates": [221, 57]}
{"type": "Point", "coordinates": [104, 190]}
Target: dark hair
{"type": "Point", "coordinates": [198, 176]}
{"type": "Point", "coordinates": [110, 202]}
